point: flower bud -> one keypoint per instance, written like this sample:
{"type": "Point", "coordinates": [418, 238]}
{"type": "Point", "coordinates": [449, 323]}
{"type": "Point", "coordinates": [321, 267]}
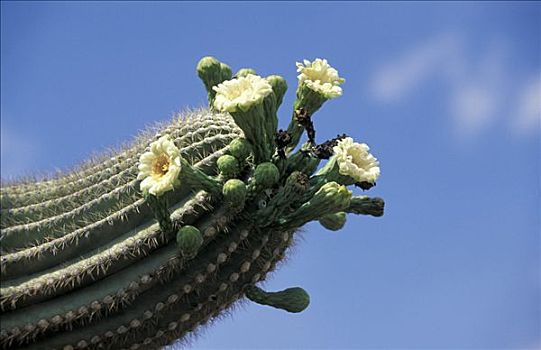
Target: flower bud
{"type": "Point", "coordinates": [332, 195]}
{"type": "Point", "coordinates": [228, 166]}
{"type": "Point", "coordinates": [279, 86]}
{"type": "Point", "coordinates": [244, 72]}
{"type": "Point", "coordinates": [189, 240]}
{"type": "Point", "coordinates": [303, 162]}
{"type": "Point", "coordinates": [293, 299]}
{"type": "Point", "coordinates": [212, 72]}
{"type": "Point", "coordinates": [330, 198]}
{"type": "Point", "coordinates": [333, 222]}
{"type": "Point", "coordinates": [234, 192]}
{"type": "Point", "coordinates": [266, 175]}
{"type": "Point", "coordinates": [240, 148]}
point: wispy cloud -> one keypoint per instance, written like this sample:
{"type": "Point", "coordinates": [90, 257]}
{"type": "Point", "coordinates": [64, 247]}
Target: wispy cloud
{"type": "Point", "coordinates": [395, 79]}
{"type": "Point", "coordinates": [528, 110]}
{"type": "Point", "coordinates": [18, 152]}
{"type": "Point", "coordinates": [477, 87]}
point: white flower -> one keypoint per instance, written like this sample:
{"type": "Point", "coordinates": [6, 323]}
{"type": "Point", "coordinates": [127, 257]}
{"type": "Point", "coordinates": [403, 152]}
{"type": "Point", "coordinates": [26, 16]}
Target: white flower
{"type": "Point", "coordinates": [159, 168]}
{"type": "Point", "coordinates": [241, 93]}
{"type": "Point", "coordinates": [320, 77]}
{"type": "Point", "coordinates": [355, 161]}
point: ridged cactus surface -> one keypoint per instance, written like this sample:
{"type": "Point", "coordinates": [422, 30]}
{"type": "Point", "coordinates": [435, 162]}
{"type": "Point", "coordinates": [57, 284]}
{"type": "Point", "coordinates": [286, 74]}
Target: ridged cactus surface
{"type": "Point", "coordinates": [138, 249]}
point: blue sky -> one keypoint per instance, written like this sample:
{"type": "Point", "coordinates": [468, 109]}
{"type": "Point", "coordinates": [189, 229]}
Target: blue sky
{"type": "Point", "coordinates": [448, 96]}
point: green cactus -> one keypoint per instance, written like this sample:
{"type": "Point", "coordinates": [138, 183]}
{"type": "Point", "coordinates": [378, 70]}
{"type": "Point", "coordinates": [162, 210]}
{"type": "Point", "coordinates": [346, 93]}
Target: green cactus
{"type": "Point", "coordinates": [139, 248]}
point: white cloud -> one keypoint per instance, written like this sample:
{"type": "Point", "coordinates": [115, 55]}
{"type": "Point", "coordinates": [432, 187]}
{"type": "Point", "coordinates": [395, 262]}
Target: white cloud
{"type": "Point", "coordinates": [528, 111]}
{"type": "Point", "coordinates": [17, 154]}
{"type": "Point", "coordinates": [396, 79]}
{"type": "Point", "coordinates": [472, 107]}
{"type": "Point", "coordinates": [478, 90]}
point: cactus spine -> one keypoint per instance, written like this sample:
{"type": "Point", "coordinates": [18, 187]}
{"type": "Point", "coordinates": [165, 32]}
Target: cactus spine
{"type": "Point", "coordinates": [139, 249]}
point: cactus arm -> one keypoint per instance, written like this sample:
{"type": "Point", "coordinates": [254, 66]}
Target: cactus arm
{"type": "Point", "coordinates": [147, 246]}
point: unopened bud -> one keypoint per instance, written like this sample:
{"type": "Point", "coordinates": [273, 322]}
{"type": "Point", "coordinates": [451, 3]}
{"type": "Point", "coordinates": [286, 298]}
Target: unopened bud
{"type": "Point", "coordinates": [266, 175]}
{"type": "Point", "coordinates": [189, 240]}
{"type": "Point", "coordinates": [279, 86]}
{"type": "Point", "coordinates": [333, 222]}
{"type": "Point", "coordinates": [228, 166]}
{"type": "Point", "coordinates": [234, 192]}
{"type": "Point", "coordinates": [240, 148]}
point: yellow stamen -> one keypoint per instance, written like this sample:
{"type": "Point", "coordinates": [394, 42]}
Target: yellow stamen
{"type": "Point", "coordinates": [160, 166]}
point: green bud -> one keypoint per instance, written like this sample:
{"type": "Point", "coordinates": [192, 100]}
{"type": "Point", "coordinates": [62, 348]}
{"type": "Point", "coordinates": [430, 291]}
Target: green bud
{"type": "Point", "coordinates": [279, 86]}
{"type": "Point", "coordinates": [240, 148]}
{"type": "Point", "coordinates": [292, 299]}
{"type": "Point", "coordinates": [330, 198]}
{"type": "Point", "coordinates": [234, 192]}
{"type": "Point", "coordinates": [289, 196]}
{"type": "Point", "coordinates": [301, 161]}
{"type": "Point", "coordinates": [228, 166]}
{"type": "Point", "coordinates": [189, 240]}
{"type": "Point", "coordinates": [266, 175]}
{"type": "Point", "coordinates": [363, 205]}
{"type": "Point", "coordinates": [333, 222]}
{"type": "Point", "coordinates": [332, 195]}
{"type": "Point", "coordinates": [244, 72]}
{"type": "Point", "coordinates": [212, 72]}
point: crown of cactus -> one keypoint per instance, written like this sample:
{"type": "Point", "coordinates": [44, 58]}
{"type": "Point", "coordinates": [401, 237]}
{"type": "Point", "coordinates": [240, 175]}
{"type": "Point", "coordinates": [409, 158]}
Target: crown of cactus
{"type": "Point", "coordinates": [139, 249]}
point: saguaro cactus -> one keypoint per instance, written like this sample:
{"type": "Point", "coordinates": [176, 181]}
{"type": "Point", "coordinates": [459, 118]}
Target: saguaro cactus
{"type": "Point", "coordinates": [139, 249]}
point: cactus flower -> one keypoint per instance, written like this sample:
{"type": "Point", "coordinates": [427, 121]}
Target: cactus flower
{"type": "Point", "coordinates": [241, 93]}
{"type": "Point", "coordinates": [355, 161]}
{"type": "Point", "coordinates": [320, 77]}
{"type": "Point", "coordinates": [160, 167]}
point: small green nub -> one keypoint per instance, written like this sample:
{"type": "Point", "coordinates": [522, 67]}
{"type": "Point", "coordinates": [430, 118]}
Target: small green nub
{"type": "Point", "coordinates": [234, 192]}
{"type": "Point", "coordinates": [240, 148]}
{"type": "Point", "coordinates": [292, 299]}
{"type": "Point", "coordinates": [333, 222]}
{"type": "Point", "coordinates": [244, 72]}
{"type": "Point", "coordinates": [279, 86]}
{"type": "Point", "coordinates": [209, 69]}
{"type": "Point", "coordinates": [228, 166]}
{"type": "Point", "coordinates": [189, 240]}
{"type": "Point", "coordinates": [266, 175]}
{"type": "Point", "coordinates": [212, 72]}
